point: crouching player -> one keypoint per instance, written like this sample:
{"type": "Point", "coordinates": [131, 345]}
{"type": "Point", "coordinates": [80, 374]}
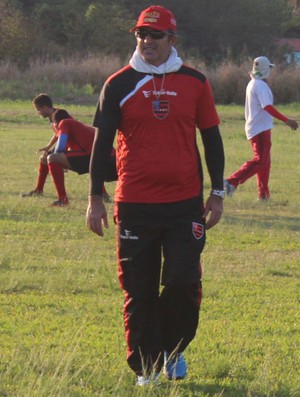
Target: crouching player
{"type": "Point", "coordinates": [72, 152]}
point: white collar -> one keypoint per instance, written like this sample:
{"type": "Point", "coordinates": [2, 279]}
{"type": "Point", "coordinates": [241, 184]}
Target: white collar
{"type": "Point", "coordinates": [173, 63]}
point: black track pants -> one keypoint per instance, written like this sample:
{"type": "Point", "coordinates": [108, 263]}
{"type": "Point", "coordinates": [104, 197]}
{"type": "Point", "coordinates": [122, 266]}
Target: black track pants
{"type": "Point", "coordinates": [156, 318]}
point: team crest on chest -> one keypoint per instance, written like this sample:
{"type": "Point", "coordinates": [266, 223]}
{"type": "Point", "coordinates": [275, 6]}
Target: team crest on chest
{"type": "Point", "coordinates": [160, 108]}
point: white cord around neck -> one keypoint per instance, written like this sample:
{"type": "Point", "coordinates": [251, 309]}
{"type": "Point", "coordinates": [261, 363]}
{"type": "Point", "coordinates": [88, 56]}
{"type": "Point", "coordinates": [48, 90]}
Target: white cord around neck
{"type": "Point", "coordinates": [157, 93]}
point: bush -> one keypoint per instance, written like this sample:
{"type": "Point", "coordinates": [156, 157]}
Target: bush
{"type": "Point", "coordinates": [285, 83]}
{"type": "Point", "coordinates": [75, 80]}
{"type": "Point", "coordinates": [229, 82]}
{"type": "Point", "coordinates": [80, 79]}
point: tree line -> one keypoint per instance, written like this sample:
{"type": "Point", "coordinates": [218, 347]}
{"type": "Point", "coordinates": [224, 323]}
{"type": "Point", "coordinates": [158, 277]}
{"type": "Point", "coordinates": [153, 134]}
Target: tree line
{"type": "Point", "coordinates": [212, 30]}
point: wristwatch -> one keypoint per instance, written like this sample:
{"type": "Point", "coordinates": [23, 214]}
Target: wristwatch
{"type": "Point", "coordinates": [219, 193]}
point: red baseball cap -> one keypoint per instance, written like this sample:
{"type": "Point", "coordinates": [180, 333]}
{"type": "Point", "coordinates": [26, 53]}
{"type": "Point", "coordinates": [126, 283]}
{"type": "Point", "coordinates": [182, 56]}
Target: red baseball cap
{"type": "Point", "coordinates": [156, 17]}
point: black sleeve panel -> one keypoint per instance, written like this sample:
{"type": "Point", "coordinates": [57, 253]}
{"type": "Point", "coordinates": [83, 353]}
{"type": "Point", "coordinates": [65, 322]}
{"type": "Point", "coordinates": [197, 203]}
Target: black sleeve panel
{"type": "Point", "coordinates": [103, 164]}
{"type": "Point", "coordinates": [214, 155]}
{"type": "Point", "coordinates": [106, 122]}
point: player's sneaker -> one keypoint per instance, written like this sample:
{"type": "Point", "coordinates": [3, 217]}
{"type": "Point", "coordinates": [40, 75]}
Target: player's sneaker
{"type": "Point", "coordinates": [264, 199]}
{"type": "Point", "coordinates": [144, 380]}
{"type": "Point", "coordinates": [229, 188]}
{"type": "Point", "coordinates": [33, 193]}
{"type": "Point", "coordinates": [60, 203]}
{"type": "Point", "coordinates": [175, 367]}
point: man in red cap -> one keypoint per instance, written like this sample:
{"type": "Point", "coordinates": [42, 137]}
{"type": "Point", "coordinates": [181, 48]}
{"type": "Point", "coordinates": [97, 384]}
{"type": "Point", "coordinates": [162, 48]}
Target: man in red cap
{"type": "Point", "coordinates": [156, 17]}
{"type": "Point", "coordinates": [156, 104]}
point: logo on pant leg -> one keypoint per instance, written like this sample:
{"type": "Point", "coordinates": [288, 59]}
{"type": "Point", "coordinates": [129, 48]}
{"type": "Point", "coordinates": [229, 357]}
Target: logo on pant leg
{"type": "Point", "coordinates": [127, 235]}
{"type": "Point", "coordinates": [198, 230]}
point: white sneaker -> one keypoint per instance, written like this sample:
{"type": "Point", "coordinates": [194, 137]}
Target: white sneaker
{"type": "Point", "coordinates": [143, 380]}
{"type": "Point", "coordinates": [229, 188]}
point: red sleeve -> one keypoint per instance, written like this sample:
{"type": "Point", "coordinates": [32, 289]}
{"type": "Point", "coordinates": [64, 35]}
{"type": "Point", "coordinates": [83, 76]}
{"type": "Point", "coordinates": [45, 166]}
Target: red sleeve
{"type": "Point", "coordinates": [206, 110]}
{"type": "Point", "coordinates": [273, 112]}
{"type": "Point", "coordinates": [64, 127]}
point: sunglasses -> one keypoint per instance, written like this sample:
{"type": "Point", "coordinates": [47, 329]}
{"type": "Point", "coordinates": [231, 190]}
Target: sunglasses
{"type": "Point", "coordinates": [154, 34]}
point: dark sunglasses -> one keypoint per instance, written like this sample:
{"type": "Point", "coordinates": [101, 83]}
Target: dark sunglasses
{"type": "Point", "coordinates": [154, 34]}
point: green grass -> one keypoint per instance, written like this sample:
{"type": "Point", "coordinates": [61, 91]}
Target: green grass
{"type": "Point", "coordinates": [61, 330]}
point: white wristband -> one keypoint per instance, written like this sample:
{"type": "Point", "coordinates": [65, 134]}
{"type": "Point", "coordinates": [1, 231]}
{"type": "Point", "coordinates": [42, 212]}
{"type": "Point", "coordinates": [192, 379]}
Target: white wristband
{"type": "Point", "coordinates": [219, 193]}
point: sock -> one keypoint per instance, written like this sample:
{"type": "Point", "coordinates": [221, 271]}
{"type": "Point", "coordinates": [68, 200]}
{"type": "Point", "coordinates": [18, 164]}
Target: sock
{"type": "Point", "coordinates": [42, 176]}
{"type": "Point", "coordinates": [58, 177]}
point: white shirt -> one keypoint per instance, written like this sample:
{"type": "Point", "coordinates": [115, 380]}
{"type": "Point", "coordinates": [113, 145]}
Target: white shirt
{"type": "Point", "coordinates": [258, 96]}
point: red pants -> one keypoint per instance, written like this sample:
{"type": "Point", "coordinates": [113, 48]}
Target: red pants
{"type": "Point", "coordinates": [259, 165]}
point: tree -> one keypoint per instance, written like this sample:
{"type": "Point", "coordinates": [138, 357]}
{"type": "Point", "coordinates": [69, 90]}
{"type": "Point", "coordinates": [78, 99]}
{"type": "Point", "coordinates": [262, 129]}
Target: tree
{"type": "Point", "coordinates": [107, 28]}
{"type": "Point", "coordinates": [15, 35]}
{"type": "Point", "coordinates": [213, 30]}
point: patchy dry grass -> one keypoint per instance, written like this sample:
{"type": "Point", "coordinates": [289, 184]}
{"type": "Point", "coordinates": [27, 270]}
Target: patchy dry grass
{"type": "Point", "coordinates": [61, 331]}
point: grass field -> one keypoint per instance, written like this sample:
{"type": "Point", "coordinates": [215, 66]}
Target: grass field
{"type": "Point", "coordinates": [61, 330]}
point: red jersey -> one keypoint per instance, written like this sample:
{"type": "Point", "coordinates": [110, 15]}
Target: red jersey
{"type": "Point", "coordinates": [156, 118]}
{"type": "Point", "coordinates": [80, 136]}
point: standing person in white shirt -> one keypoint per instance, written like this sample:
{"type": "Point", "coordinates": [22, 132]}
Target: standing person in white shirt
{"type": "Point", "coordinates": [259, 113]}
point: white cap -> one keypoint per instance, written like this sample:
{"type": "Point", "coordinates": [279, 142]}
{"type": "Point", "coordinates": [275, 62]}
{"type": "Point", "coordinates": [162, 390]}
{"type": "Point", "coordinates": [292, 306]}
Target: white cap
{"type": "Point", "coordinates": [261, 68]}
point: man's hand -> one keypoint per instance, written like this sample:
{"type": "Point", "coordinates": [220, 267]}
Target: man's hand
{"type": "Point", "coordinates": [96, 215]}
{"type": "Point", "coordinates": [44, 149]}
{"type": "Point", "coordinates": [213, 209]}
{"type": "Point", "coordinates": [292, 124]}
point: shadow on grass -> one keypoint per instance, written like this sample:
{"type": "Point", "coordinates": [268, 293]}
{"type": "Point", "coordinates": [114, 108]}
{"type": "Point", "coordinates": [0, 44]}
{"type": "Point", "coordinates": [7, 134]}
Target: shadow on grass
{"type": "Point", "coordinates": [216, 390]}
